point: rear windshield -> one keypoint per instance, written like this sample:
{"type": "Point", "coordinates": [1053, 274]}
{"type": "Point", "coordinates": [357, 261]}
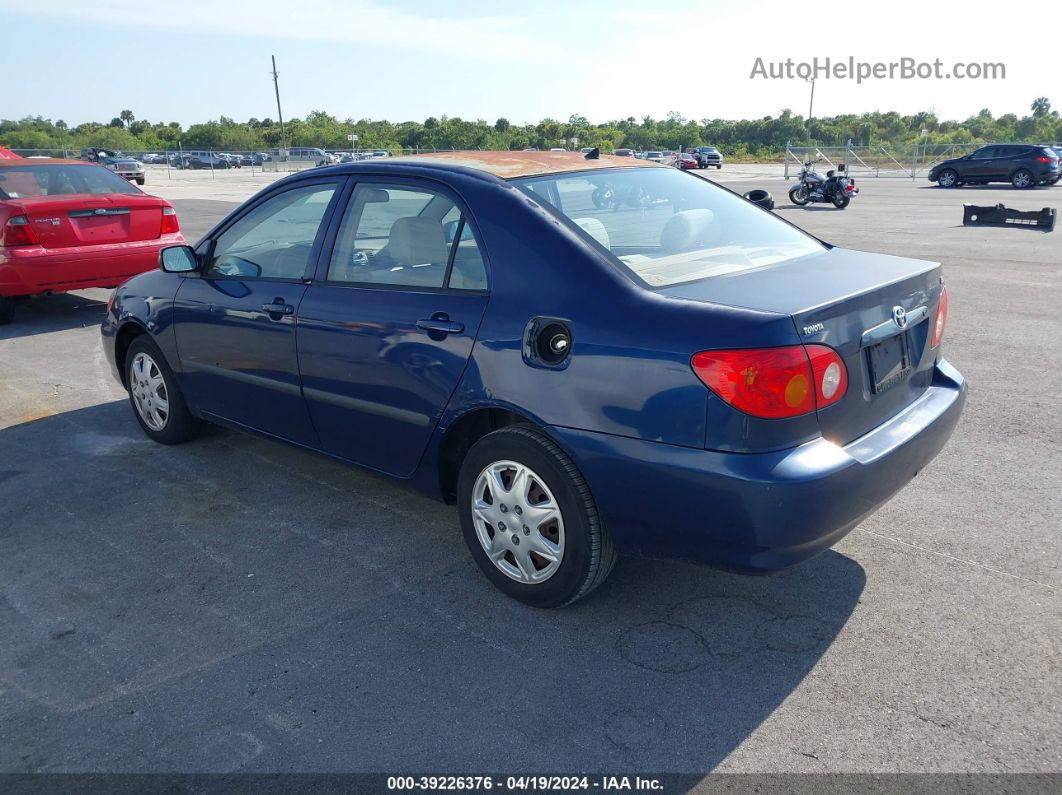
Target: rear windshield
{"type": "Point", "coordinates": [667, 227]}
{"type": "Point", "coordinates": [18, 182]}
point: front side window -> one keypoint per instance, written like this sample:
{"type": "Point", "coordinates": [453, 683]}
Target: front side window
{"type": "Point", "coordinates": [986, 153]}
{"type": "Point", "coordinates": [666, 227]}
{"type": "Point", "coordinates": [401, 236]}
{"type": "Point", "coordinates": [275, 239]}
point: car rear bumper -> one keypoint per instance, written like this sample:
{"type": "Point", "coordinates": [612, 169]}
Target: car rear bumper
{"type": "Point", "coordinates": [32, 270]}
{"type": "Point", "coordinates": [759, 512]}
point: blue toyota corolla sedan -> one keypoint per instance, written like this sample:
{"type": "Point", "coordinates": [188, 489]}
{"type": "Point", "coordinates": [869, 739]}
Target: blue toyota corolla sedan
{"type": "Point", "coordinates": [670, 372]}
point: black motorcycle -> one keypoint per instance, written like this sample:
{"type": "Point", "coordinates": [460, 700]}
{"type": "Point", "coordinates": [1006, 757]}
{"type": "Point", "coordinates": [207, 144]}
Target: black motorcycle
{"type": "Point", "coordinates": [836, 188]}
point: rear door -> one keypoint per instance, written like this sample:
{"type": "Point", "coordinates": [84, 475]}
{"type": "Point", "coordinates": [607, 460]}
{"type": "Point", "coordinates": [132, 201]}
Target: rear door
{"type": "Point", "coordinates": [386, 331]}
{"type": "Point", "coordinates": [235, 323]}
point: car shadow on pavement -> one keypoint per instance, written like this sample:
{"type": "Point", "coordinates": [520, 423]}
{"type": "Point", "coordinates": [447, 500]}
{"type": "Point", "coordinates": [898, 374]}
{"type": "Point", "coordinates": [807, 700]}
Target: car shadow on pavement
{"type": "Point", "coordinates": [47, 313]}
{"type": "Point", "coordinates": [236, 605]}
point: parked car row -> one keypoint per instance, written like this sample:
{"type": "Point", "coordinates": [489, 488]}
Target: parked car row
{"type": "Point", "coordinates": [702, 156]}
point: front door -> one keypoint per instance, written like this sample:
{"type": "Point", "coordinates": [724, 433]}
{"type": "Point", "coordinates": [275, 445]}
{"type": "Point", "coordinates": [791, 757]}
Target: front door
{"type": "Point", "coordinates": [385, 335]}
{"type": "Point", "coordinates": [235, 323]}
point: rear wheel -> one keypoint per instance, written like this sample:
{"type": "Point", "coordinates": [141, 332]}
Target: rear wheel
{"type": "Point", "coordinates": [529, 519]}
{"type": "Point", "coordinates": [1022, 178]}
{"type": "Point", "coordinates": [7, 310]}
{"type": "Point", "coordinates": [154, 395]}
{"type": "Point", "coordinates": [948, 178]}
{"type": "Point", "coordinates": [841, 200]}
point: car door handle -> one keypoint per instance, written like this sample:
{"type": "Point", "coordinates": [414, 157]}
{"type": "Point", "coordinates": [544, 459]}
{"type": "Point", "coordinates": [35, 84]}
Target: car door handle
{"type": "Point", "coordinates": [440, 326]}
{"type": "Point", "coordinates": [278, 309]}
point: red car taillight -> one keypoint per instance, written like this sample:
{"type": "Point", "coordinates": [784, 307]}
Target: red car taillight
{"type": "Point", "coordinates": [774, 382]}
{"type": "Point", "coordinates": [1045, 159]}
{"type": "Point", "coordinates": [941, 320]}
{"type": "Point", "coordinates": [170, 224]}
{"type": "Point", "coordinates": [18, 232]}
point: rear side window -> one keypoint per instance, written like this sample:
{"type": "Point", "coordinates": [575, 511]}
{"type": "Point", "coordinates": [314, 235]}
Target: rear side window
{"type": "Point", "coordinates": [406, 237]}
{"type": "Point", "coordinates": [275, 239]}
{"type": "Point", "coordinates": [17, 182]}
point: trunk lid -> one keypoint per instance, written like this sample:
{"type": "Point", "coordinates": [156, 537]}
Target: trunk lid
{"type": "Point", "coordinates": [85, 219]}
{"type": "Point", "coordinates": [846, 299]}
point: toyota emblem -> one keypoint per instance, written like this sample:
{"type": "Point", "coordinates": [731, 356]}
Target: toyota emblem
{"type": "Point", "coordinates": [899, 317]}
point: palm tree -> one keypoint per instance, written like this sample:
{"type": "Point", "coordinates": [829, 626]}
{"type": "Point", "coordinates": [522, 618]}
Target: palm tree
{"type": "Point", "coordinates": [128, 117]}
{"type": "Point", "coordinates": [1041, 106]}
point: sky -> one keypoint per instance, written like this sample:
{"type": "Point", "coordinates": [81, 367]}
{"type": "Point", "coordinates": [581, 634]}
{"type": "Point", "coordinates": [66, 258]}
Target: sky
{"type": "Point", "coordinates": [81, 60]}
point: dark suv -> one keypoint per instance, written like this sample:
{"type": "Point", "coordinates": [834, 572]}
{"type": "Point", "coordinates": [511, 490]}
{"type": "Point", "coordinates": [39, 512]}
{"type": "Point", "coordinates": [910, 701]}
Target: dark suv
{"type": "Point", "coordinates": [1022, 165]}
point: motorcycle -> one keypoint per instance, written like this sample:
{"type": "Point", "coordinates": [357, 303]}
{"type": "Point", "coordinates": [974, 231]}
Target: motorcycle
{"type": "Point", "coordinates": [836, 188]}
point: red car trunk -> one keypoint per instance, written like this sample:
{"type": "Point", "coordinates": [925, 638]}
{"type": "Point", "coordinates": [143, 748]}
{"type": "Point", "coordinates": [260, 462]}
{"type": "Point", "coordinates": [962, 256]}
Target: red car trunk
{"type": "Point", "coordinates": [81, 220]}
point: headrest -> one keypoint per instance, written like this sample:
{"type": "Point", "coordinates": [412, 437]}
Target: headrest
{"type": "Point", "coordinates": [687, 230]}
{"type": "Point", "coordinates": [417, 241]}
{"type": "Point", "coordinates": [595, 229]}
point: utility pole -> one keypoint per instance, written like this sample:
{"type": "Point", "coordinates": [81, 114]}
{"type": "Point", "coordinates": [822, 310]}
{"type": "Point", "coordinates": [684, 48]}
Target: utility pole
{"type": "Point", "coordinates": [280, 116]}
{"type": "Point", "coordinates": [811, 104]}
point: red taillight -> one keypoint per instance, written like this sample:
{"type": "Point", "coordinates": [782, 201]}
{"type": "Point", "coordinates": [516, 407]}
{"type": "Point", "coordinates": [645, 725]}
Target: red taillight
{"type": "Point", "coordinates": [774, 382]}
{"type": "Point", "coordinates": [170, 224]}
{"type": "Point", "coordinates": [1044, 159]}
{"type": "Point", "coordinates": [18, 232]}
{"type": "Point", "coordinates": [941, 320]}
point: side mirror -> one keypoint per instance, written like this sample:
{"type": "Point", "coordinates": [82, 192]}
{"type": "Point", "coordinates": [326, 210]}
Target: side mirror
{"type": "Point", "coordinates": [178, 259]}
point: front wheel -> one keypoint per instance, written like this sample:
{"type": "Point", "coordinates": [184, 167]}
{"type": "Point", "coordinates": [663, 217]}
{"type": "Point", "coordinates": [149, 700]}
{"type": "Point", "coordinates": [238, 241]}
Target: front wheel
{"type": "Point", "coordinates": [720, 165]}
{"type": "Point", "coordinates": [948, 178]}
{"type": "Point", "coordinates": [140, 180]}
{"type": "Point", "coordinates": [154, 395]}
{"type": "Point", "coordinates": [798, 194]}
{"type": "Point", "coordinates": [1022, 178]}
{"type": "Point", "coordinates": [529, 519]}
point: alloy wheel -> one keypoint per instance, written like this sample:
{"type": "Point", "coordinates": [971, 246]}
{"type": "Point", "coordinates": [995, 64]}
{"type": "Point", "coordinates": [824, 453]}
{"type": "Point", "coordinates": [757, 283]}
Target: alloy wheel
{"type": "Point", "coordinates": [148, 388]}
{"type": "Point", "coordinates": [518, 522]}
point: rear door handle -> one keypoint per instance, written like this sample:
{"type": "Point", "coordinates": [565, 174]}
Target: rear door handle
{"type": "Point", "coordinates": [278, 309]}
{"type": "Point", "coordinates": [440, 325]}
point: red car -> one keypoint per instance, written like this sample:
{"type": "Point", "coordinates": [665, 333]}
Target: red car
{"type": "Point", "coordinates": [68, 225]}
{"type": "Point", "coordinates": [684, 160]}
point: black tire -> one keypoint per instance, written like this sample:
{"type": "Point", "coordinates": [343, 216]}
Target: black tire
{"type": "Point", "coordinates": [140, 180]}
{"type": "Point", "coordinates": [798, 195]}
{"type": "Point", "coordinates": [180, 425]}
{"type": "Point", "coordinates": [720, 165]}
{"type": "Point", "coordinates": [841, 200]}
{"type": "Point", "coordinates": [588, 555]}
{"type": "Point", "coordinates": [948, 178]}
{"type": "Point", "coordinates": [1022, 178]}
{"type": "Point", "coordinates": [7, 310]}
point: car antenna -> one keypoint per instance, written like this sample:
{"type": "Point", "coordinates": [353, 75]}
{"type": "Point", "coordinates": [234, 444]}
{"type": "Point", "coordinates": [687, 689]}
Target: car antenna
{"type": "Point", "coordinates": [593, 154]}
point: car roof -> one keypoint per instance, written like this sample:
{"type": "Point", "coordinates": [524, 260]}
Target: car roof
{"type": "Point", "coordinates": [509, 165]}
